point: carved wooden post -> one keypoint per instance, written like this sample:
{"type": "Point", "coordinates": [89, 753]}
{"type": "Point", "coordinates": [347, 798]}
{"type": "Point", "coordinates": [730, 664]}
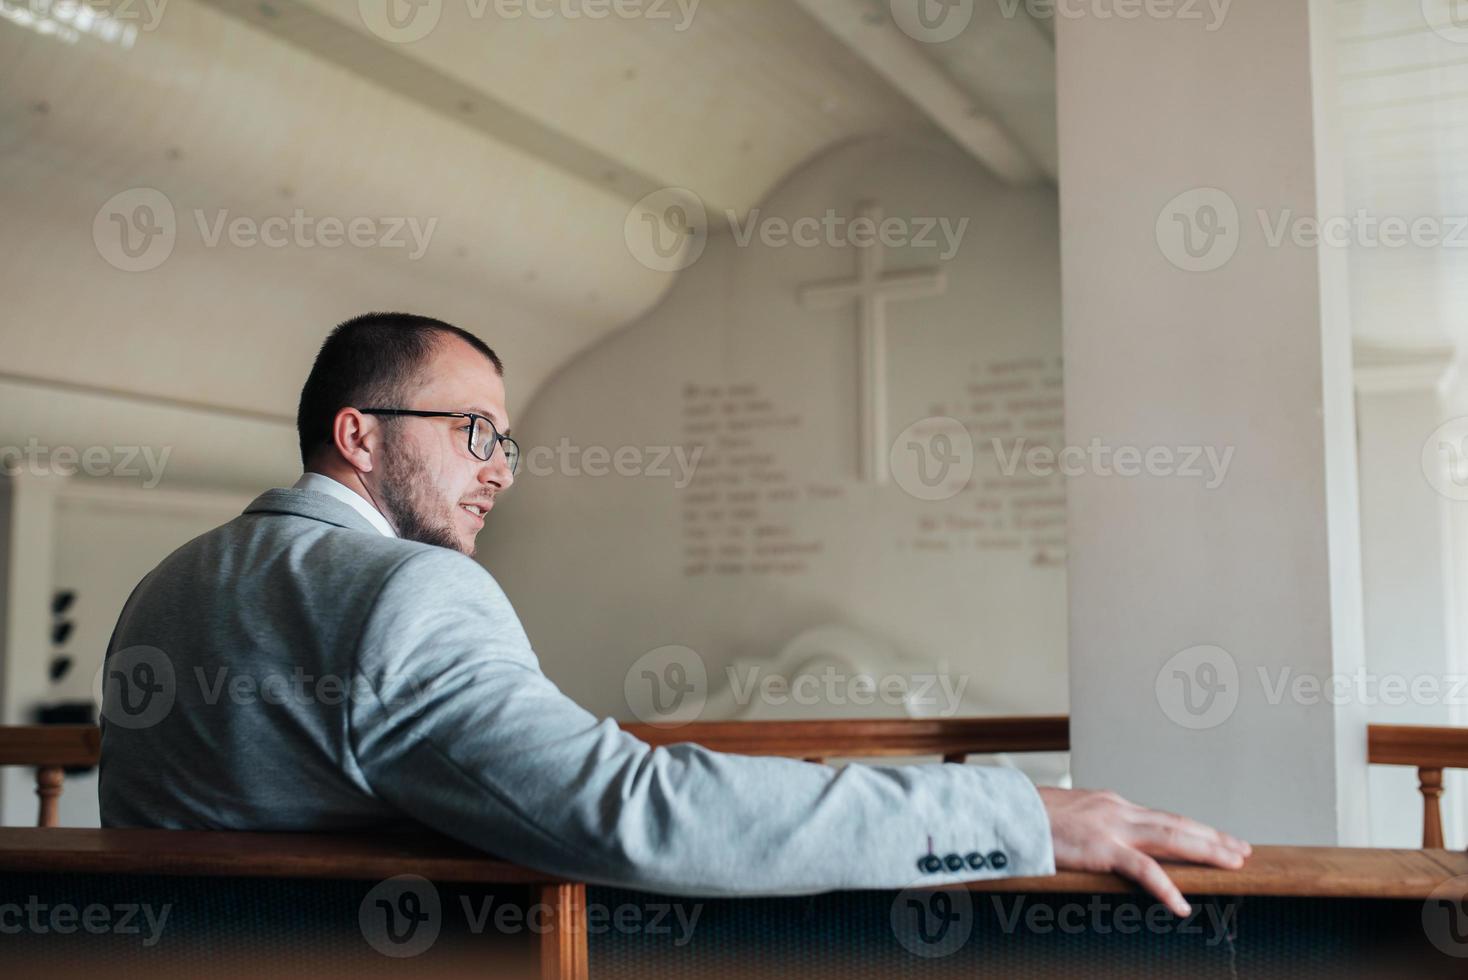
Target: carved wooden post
{"type": "Point", "coordinates": [1431, 784]}
{"type": "Point", "coordinates": [563, 952]}
{"type": "Point", "coordinates": [48, 788]}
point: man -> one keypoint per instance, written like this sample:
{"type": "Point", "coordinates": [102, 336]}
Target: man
{"type": "Point", "coordinates": [333, 659]}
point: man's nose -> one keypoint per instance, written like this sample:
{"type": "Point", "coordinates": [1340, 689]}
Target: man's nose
{"type": "Point", "coordinates": [497, 470]}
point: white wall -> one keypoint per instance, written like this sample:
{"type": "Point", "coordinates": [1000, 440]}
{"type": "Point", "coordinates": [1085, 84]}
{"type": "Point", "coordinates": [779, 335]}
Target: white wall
{"type": "Point", "coordinates": [602, 570]}
{"type": "Point", "coordinates": [98, 540]}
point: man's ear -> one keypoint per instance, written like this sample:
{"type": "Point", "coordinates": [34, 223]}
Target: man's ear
{"type": "Point", "coordinates": [357, 438]}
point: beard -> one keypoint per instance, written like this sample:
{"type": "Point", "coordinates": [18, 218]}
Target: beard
{"type": "Point", "coordinates": [412, 502]}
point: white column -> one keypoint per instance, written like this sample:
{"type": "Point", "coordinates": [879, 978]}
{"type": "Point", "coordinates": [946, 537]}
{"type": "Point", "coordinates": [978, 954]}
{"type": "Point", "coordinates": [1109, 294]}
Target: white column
{"type": "Point", "coordinates": [1185, 326]}
{"type": "Point", "coordinates": [1405, 562]}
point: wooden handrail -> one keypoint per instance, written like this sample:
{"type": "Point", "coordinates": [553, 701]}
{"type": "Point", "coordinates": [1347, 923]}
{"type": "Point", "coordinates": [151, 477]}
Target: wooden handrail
{"type": "Point", "coordinates": [256, 854]}
{"type": "Point", "coordinates": [952, 738]}
{"type": "Point", "coordinates": [1431, 749]}
{"type": "Point", "coordinates": [50, 748]}
{"type": "Point", "coordinates": [1336, 872]}
{"type": "Point", "coordinates": [50, 745]}
{"type": "Point", "coordinates": [1417, 745]}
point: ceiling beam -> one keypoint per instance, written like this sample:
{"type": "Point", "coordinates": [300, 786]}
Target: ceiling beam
{"type": "Point", "coordinates": [900, 60]}
{"type": "Point", "coordinates": [388, 66]}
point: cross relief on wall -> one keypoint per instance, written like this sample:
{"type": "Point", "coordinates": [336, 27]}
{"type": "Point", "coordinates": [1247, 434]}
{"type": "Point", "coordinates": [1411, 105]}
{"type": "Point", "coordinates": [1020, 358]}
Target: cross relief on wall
{"type": "Point", "coordinates": [872, 290]}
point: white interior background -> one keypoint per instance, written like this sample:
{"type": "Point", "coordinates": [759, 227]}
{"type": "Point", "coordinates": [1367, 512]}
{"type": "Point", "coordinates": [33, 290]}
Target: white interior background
{"type": "Point", "coordinates": [528, 141]}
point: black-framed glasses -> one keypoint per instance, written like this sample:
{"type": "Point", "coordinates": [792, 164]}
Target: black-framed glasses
{"type": "Point", "coordinates": [483, 436]}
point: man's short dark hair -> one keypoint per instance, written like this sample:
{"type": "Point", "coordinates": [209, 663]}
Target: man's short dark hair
{"type": "Point", "coordinates": [373, 360]}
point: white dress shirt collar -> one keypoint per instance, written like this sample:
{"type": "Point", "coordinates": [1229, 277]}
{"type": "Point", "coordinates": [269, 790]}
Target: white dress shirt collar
{"type": "Point", "coordinates": [325, 484]}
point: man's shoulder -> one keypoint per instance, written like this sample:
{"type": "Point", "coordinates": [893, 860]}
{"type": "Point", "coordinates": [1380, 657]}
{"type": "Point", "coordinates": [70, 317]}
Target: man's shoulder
{"type": "Point", "coordinates": [324, 548]}
{"type": "Point", "coordinates": [309, 575]}
{"type": "Point", "coordinates": [296, 536]}
{"type": "Point", "coordinates": [419, 561]}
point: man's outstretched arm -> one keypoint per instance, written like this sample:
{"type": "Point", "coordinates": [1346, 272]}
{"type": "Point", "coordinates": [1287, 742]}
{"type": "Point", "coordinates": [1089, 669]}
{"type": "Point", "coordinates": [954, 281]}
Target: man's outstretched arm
{"type": "Point", "coordinates": [464, 733]}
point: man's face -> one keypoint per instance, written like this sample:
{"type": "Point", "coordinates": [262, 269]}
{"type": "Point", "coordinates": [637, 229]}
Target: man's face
{"type": "Point", "coordinates": [429, 482]}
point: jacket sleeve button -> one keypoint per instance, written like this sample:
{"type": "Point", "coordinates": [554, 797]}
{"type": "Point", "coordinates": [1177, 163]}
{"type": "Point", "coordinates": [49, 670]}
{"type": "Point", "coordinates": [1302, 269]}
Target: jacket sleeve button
{"type": "Point", "coordinates": [953, 862]}
{"type": "Point", "coordinates": [998, 860]}
{"type": "Point", "coordinates": [975, 860]}
{"type": "Point", "coordinates": [930, 864]}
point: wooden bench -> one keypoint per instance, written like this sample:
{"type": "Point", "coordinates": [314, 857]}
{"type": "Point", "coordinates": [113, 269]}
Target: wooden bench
{"type": "Point", "coordinates": [1341, 904]}
{"type": "Point", "coordinates": [1343, 891]}
{"type": "Point", "coordinates": [559, 942]}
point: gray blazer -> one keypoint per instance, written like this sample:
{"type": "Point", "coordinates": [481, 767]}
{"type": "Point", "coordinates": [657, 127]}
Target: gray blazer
{"type": "Point", "coordinates": [296, 670]}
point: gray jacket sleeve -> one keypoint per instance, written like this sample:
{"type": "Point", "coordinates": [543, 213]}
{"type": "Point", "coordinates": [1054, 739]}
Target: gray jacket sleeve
{"type": "Point", "coordinates": [452, 722]}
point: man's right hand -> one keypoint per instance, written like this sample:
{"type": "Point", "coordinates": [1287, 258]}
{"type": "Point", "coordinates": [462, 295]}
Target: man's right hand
{"type": "Point", "coordinates": [1100, 831]}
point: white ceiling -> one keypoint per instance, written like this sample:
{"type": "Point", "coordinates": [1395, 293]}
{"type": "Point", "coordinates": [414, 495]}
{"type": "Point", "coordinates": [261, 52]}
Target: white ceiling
{"type": "Point", "coordinates": [526, 140]}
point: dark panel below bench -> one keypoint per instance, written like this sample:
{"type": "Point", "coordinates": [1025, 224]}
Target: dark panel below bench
{"type": "Point", "coordinates": [969, 934]}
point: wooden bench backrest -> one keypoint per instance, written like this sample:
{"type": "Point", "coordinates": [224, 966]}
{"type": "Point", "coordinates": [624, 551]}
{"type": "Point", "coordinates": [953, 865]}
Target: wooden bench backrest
{"type": "Point", "coordinates": [51, 748]}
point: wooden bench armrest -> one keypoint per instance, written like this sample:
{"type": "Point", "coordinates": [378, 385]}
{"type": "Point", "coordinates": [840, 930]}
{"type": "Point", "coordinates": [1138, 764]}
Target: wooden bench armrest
{"type": "Point", "coordinates": [253, 854]}
{"type": "Point", "coordinates": [1335, 872]}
